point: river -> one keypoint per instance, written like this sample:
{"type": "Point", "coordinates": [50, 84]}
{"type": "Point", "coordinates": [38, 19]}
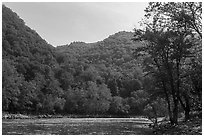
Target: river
{"type": "Point", "coordinates": [76, 126]}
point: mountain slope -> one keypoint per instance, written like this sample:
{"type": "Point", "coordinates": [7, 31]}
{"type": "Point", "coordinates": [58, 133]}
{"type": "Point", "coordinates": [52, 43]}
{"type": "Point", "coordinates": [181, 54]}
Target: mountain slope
{"type": "Point", "coordinates": [18, 40]}
{"type": "Point", "coordinates": [27, 67]}
{"type": "Point", "coordinates": [85, 78]}
{"type": "Point", "coordinates": [110, 61]}
{"type": "Point", "coordinates": [116, 51]}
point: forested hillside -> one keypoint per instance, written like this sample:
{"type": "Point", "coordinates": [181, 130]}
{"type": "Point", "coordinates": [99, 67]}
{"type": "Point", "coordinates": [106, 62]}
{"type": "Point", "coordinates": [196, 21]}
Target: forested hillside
{"type": "Point", "coordinates": [79, 78]}
{"type": "Point", "coordinates": [154, 72]}
{"type": "Point", "coordinates": [28, 81]}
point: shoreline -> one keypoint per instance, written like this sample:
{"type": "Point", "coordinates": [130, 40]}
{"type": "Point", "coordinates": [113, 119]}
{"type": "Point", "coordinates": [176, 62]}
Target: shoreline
{"type": "Point", "coordinates": [47, 116]}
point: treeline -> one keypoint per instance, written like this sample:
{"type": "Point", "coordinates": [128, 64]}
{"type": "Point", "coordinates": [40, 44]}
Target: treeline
{"type": "Point", "coordinates": [155, 72]}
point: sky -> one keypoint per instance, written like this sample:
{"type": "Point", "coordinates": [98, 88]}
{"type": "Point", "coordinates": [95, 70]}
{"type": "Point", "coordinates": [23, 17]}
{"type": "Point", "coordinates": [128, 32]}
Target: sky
{"type": "Point", "coordinates": [61, 23]}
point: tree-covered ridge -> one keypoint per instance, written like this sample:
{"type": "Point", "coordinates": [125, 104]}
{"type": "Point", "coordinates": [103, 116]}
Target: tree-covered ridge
{"type": "Point", "coordinates": [68, 79]}
{"type": "Point", "coordinates": [27, 62]}
{"type": "Point", "coordinates": [112, 56]}
{"type": "Point", "coordinates": [115, 51]}
{"type": "Point", "coordinates": [20, 40]}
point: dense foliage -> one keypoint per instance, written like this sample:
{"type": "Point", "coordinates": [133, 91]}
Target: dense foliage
{"type": "Point", "coordinates": [172, 55]}
{"type": "Point", "coordinates": [80, 78]}
{"type": "Point", "coordinates": [154, 72]}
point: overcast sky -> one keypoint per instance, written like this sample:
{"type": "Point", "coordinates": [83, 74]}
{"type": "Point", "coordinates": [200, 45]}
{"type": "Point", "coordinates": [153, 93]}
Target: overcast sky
{"type": "Point", "coordinates": [62, 23]}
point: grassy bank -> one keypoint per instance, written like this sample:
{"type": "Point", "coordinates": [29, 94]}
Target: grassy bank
{"type": "Point", "coordinates": [190, 127]}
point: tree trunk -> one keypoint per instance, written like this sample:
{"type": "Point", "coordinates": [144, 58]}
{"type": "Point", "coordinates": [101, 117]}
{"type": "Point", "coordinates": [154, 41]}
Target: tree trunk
{"type": "Point", "coordinates": [185, 106]}
{"type": "Point", "coordinates": [187, 109]}
{"type": "Point", "coordinates": [175, 106]}
{"type": "Point", "coordinates": [187, 115]}
{"type": "Point", "coordinates": [168, 101]}
{"type": "Point", "coordinates": [175, 111]}
{"type": "Point", "coordinates": [155, 117]}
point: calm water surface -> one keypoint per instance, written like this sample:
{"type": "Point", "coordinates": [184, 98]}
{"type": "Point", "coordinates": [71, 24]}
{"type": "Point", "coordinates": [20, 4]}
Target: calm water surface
{"type": "Point", "coordinates": [76, 126]}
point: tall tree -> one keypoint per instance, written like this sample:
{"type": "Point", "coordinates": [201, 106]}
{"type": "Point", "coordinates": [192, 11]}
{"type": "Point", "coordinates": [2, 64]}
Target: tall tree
{"type": "Point", "coordinates": [168, 42]}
